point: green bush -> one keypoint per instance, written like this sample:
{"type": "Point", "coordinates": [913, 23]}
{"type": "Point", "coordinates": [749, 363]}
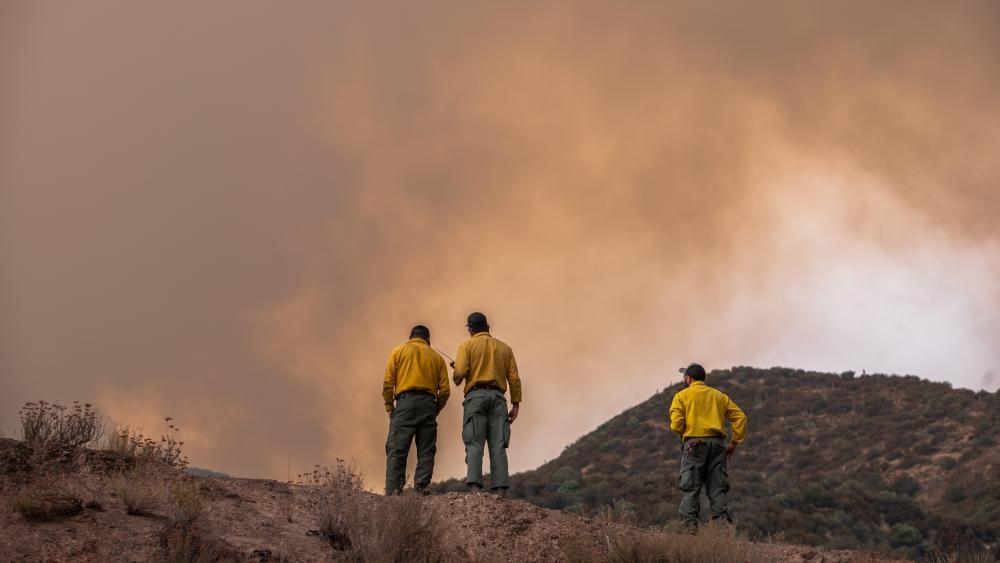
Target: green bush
{"type": "Point", "coordinates": [568, 487]}
{"type": "Point", "coordinates": [817, 496]}
{"type": "Point", "coordinates": [564, 473]}
{"type": "Point", "coordinates": [955, 493]}
{"type": "Point", "coordinates": [905, 535]}
{"type": "Point", "coordinates": [948, 463]}
{"type": "Point", "coordinates": [906, 486]}
{"type": "Point", "coordinates": [783, 500]}
{"type": "Point", "coordinates": [610, 445]}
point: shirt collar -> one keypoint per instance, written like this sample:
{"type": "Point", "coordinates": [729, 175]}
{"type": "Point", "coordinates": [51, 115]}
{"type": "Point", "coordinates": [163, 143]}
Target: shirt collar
{"type": "Point", "coordinates": [419, 341]}
{"type": "Point", "coordinates": [696, 382]}
{"type": "Point", "coordinates": [484, 333]}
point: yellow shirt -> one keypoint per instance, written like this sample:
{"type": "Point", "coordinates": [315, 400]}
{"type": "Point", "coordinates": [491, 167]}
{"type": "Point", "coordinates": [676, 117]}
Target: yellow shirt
{"type": "Point", "coordinates": [700, 411]}
{"type": "Point", "coordinates": [415, 366]}
{"type": "Point", "coordinates": [484, 359]}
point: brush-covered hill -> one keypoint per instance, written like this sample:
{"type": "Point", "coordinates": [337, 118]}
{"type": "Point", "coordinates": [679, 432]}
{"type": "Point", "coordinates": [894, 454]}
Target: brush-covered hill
{"type": "Point", "coordinates": [842, 461]}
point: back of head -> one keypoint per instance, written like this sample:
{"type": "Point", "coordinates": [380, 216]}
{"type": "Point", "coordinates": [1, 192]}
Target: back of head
{"type": "Point", "coordinates": [420, 331]}
{"type": "Point", "coordinates": [694, 371]}
{"type": "Point", "coordinates": [476, 322]}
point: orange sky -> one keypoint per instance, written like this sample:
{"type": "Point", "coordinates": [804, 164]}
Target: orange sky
{"type": "Point", "coordinates": [230, 212]}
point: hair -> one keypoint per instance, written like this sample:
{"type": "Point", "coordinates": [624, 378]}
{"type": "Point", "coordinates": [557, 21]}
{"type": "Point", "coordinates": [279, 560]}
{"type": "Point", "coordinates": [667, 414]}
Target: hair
{"type": "Point", "coordinates": [420, 331]}
{"type": "Point", "coordinates": [477, 322]}
{"type": "Point", "coordinates": [695, 372]}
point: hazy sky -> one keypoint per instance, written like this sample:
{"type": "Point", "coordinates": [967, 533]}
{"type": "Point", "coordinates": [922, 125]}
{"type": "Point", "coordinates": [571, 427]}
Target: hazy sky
{"type": "Point", "coordinates": [230, 212]}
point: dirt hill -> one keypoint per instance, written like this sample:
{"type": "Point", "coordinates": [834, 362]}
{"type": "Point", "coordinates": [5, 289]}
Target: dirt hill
{"type": "Point", "coordinates": [877, 462]}
{"type": "Point", "coordinates": [85, 505]}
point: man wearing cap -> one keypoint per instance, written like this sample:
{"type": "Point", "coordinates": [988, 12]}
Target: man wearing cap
{"type": "Point", "coordinates": [698, 414]}
{"type": "Point", "coordinates": [487, 367]}
{"type": "Point", "coordinates": [415, 390]}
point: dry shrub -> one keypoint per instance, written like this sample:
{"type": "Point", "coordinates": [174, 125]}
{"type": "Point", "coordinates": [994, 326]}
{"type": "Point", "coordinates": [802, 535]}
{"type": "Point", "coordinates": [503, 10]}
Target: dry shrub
{"type": "Point", "coordinates": [400, 528]}
{"type": "Point", "coordinates": [715, 543]}
{"type": "Point", "coordinates": [392, 529]}
{"type": "Point", "coordinates": [44, 502]}
{"type": "Point", "coordinates": [623, 512]}
{"type": "Point", "coordinates": [53, 426]}
{"type": "Point", "coordinates": [181, 544]}
{"type": "Point", "coordinates": [132, 444]}
{"type": "Point", "coordinates": [119, 440]}
{"type": "Point", "coordinates": [286, 505]}
{"type": "Point", "coordinates": [343, 476]}
{"type": "Point", "coordinates": [187, 502]}
{"type": "Point", "coordinates": [332, 522]}
{"type": "Point", "coordinates": [366, 528]}
{"type": "Point", "coordinates": [180, 540]}
{"type": "Point", "coordinates": [138, 496]}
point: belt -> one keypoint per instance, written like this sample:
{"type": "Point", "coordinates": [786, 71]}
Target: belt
{"type": "Point", "coordinates": [705, 438]}
{"type": "Point", "coordinates": [416, 392]}
{"type": "Point", "coordinates": [479, 386]}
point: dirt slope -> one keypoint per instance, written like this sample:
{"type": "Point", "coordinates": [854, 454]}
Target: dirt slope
{"type": "Point", "coordinates": [259, 520]}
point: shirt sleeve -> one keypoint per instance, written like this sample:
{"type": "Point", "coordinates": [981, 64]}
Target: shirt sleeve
{"type": "Point", "coordinates": [389, 383]}
{"type": "Point", "coordinates": [444, 390]}
{"type": "Point", "coordinates": [461, 364]}
{"type": "Point", "coordinates": [738, 419]}
{"type": "Point", "coordinates": [513, 380]}
{"type": "Point", "coordinates": [677, 422]}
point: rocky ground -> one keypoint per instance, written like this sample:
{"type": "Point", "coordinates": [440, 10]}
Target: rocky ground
{"type": "Point", "coordinates": [76, 507]}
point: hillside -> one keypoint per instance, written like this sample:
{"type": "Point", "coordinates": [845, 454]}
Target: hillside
{"type": "Point", "coordinates": [849, 462]}
{"type": "Point", "coordinates": [86, 505]}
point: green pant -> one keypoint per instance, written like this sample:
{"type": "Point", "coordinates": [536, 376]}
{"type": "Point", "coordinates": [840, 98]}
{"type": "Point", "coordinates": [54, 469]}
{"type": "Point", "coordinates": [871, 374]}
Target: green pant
{"type": "Point", "coordinates": [703, 463]}
{"type": "Point", "coordinates": [415, 416]}
{"type": "Point", "coordinates": [485, 421]}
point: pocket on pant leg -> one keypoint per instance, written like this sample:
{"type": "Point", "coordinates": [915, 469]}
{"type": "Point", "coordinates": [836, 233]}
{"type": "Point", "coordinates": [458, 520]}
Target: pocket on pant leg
{"type": "Point", "coordinates": [469, 430]}
{"type": "Point", "coordinates": [687, 480]}
{"type": "Point", "coordinates": [506, 433]}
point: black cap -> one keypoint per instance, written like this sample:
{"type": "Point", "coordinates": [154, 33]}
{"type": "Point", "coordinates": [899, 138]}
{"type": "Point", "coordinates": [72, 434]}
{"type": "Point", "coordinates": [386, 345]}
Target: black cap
{"type": "Point", "coordinates": [694, 371]}
{"type": "Point", "coordinates": [476, 320]}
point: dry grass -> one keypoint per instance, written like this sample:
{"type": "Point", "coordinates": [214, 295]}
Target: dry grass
{"type": "Point", "coordinates": [713, 544]}
{"type": "Point", "coordinates": [978, 557]}
{"type": "Point", "coordinates": [395, 529]}
{"type": "Point", "coordinates": [621, 513]}
{"type": "Point", "coordinates": [361, 527]}
{"type": "Point", "coordinates": [181, 540]}
{"type": "Point", "coordinates": [577, 550]}
{"type": "Point", "coordinates": [138, 496]}
{"type": "Point", "coordinates": [44, 502]}
{"type": "Point", "coordinates": [187, 502]}
{"type": "Point", "coordinates": [333, 524]}
{"type": "Point", "coordinates": [181, 544]}
{"type": "Point", "coordinates": [286, 505]}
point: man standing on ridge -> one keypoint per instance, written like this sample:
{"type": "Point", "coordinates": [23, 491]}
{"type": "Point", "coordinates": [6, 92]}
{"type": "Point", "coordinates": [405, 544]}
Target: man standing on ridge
{"type": "Point", "coordinates": [487, 366]}
{"type": "Point", "coordinates": [415, 390]}
{"type": "Point", "coordinates": [697, 415]}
